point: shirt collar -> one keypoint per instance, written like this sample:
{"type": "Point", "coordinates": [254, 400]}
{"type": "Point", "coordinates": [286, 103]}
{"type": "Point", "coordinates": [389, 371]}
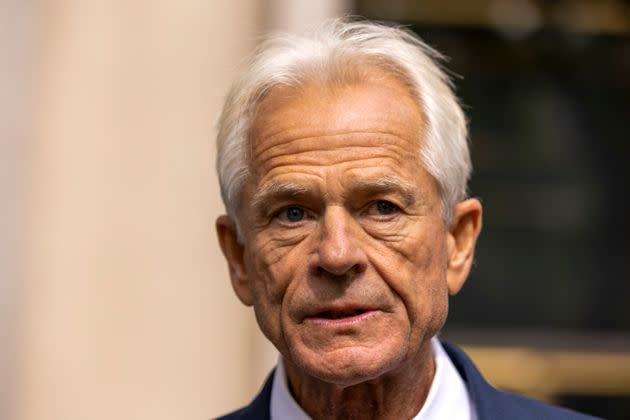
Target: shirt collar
{"type": "Point", "coordinates": [283, 405]}
{"type": "Point", "coordinates": [448, 397]}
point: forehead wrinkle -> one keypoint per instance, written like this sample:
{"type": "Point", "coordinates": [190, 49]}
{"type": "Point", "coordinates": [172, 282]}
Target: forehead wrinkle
{"type": "Point", "coordinates": [375, 136]}
{"type": "Point", "coordinates": [307, 162]}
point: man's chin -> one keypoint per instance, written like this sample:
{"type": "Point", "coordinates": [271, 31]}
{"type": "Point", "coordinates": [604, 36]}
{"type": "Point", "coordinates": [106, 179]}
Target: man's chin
{"type": "Point", "coordinates": [347, 366]}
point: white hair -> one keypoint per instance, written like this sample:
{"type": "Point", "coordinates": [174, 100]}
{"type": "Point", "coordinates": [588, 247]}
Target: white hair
{"type": "Point", "coordinates": [338, 50]}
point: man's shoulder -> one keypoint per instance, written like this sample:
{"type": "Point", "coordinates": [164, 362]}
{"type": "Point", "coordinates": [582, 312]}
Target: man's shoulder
{"type": "Point", "coordinates": [258, 408]}
{"type": "Point", "coordinates": [493, 403]}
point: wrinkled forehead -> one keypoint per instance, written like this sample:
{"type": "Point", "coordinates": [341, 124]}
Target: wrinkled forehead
{"type": "Point", "coordinates": [377, 102]}
{"type": "Point", "coordinates": [370, 131]}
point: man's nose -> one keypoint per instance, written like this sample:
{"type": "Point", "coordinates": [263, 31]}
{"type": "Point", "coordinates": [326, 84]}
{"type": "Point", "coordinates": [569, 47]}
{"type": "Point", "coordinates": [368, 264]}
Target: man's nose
{"type": "Point", "coordinates": [340, 251]}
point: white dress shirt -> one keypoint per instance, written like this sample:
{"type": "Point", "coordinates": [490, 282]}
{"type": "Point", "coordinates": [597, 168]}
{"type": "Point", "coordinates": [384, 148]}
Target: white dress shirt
{"type": "Point", "coordinates": [448, 396]}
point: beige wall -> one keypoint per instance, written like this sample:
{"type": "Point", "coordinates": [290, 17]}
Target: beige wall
{"type": "Point", "coordinates": [17, 29]}
{"type": "Point", "coordinates": [117, 302]}
{"type": "Point", "coordinates": [126, 311]}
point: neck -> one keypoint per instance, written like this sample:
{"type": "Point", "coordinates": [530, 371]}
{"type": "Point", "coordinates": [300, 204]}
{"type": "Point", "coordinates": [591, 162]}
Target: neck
{"type": "Point", "coordinates": [397, 394]}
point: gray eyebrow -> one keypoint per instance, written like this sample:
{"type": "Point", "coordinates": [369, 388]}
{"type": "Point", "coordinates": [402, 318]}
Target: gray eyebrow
{"type": "Point", "coordinates": [277, 190]}
{"type": "Point", "coordinates": [385, 184]}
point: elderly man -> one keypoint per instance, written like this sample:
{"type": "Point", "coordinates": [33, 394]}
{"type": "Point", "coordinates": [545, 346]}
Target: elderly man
{"type": "Point", "coordinates": [343, 162]}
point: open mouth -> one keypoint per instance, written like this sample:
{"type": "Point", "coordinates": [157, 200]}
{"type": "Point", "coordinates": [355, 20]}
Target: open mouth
{"type": "Point", "coordinates": [340, 314]}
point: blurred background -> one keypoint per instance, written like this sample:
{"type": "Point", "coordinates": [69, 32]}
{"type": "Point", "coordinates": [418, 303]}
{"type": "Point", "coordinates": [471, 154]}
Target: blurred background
{"type": "Point", "coordinates": [114, 298]}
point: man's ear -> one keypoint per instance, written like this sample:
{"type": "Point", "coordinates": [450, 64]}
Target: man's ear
{"type": "Point", "coordinates": [462, 237]}
{"type": "Point", "coordinates": [233, 252]}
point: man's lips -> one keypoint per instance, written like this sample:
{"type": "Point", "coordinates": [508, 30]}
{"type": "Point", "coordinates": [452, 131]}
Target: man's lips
{"type": "Point", "coordinates": [340, 315]}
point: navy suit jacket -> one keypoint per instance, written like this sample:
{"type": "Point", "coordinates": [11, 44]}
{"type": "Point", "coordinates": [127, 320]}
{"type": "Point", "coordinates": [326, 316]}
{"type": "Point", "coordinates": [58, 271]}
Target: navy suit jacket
{"type": "Point", "coordinates": [490, 403]}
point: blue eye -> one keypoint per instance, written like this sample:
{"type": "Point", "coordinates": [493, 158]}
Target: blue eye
{"type": "Point", "coordinates": [293, 214]}
{"type": "Point", "coordinates": [385, 207]}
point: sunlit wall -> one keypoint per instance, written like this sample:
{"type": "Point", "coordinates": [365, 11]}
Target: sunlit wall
{"type": "Point", "coordinates": [121, 305]}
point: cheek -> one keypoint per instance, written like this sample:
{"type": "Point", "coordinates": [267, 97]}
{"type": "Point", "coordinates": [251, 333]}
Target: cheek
{"type": "Point", "coordinates": [271, 271]}
{"type": "Point", "coordinates": [429, 306]}
{"type": "Point", "coordinates": [415, 269]}
{"type": "Point", "coordinates": [264, 272]}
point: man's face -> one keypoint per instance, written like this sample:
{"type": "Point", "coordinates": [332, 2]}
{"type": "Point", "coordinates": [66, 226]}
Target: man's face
{"type": "Point", "coordinates": [345, 253]}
